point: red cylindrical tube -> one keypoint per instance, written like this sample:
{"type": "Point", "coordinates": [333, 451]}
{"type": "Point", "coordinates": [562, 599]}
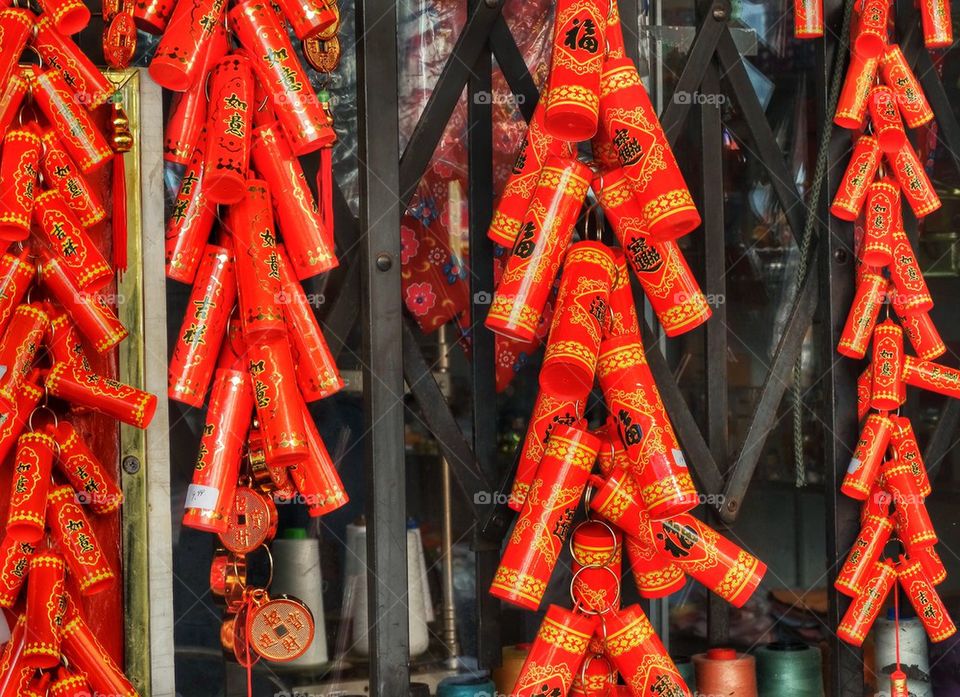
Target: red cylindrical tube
{"type": "Point", "coordinates": [925, 600]}
{"type": "Point", "coordinates": [15, 27]}
{"type": "Point", "coordinates": [69, 16]}
{"type": "Point", "coordinates": [556, 653]}
{"type": "Point", "coordinates": [46, 609]}
{"type": "Point", "coordinates": [882, 215]}
{"type": "Point", "coordinates": [316, 477]}
{"type": "Point", "coordinates": [308, 17]}
{"type": "Point", "coordinates": [932, 564]}
{"type": "Point", "coordinates": [570, 362]}
{"type": "Point", "coordinates": [16, 275]}
{"type": "Point", "coordinates": [211, 494]}
{"type": "Point", "coordinates": [887, 367]}
{"type": "Point", "coordinates": [95, 486]}
{"type": "Point", "coordinates": [541, 244]}
{"type": "Point", "coordinates": [277, 400]}
{"type": "Point", "coordinates": [912, 294]}
{"type": "Point", "coordinates": [227, 150]}
{"type": "Point", "coordinates": [539, 535]}
{"type": "Point", "coordinates": [204, 326]}
{"type": "Point", "coordinates": [76, 130]}
{"type": "Point", "coordinates": [597, 551]}
{"type": "Point", "coordinates": [862, 318]}
{"type": "Point", "coordinates": [638, 654]}
{"type": "Point", "coordinates": [104, 395]}
{"type": "Point", "coordinates": [932, 376]}
{"type": "Point", "coordinates": [874, 534]}
{"type": "Point", "coordinates": [90, 87]}
{"type": "Point", "coordinates": [309, 245]}
{"type": "Point", "coordinates": [14, 565]}
{"type": "Point", "coordinates": [709, 557]}
{"type": "Point", "coordinates": [573, 88]}
{"type": "Point", "coordinates": [63, 341]}
{"type": "Point", "coordinates": [907, 451]}
{"type": "Point", "coordinates": [871, 30]}
{"type": "Point", "coordinates": [29, 486]}
{"type": "Point", "coordinates": [18, 414]}
{"type": "Point", "coordinates": [262, 33]}
{"type": "Point", "coordinates": [937, 23]}
{"type": "Point", "coordinates": [910, 98]}
{"type": "Point", "coordinates": [191, 221]}
{"type": "Point", "coordinates": [623, 308]}
{"type": "Point", "coordinates": [63, 233]}
{"type": "Point", "coordinates": [656, 460]}
{"type": "Point", "coordinates": [864, 387]}
{"type": "Point", "coordinates": [188, 111]}
{"type": "Point", "coordinates": [808, 19]}
{"type": "Point", "coordinates": [76, 540]}
{"type": "Point", "coordinates": [15, 672]}
{"type": "Point", "coordinates": [537, 145]}
{"type": "Point", "coordinates": [19, 169]}
{"type": "Point", "coordinates": [852, 108]}
{"type": "Point", "coordinates": [11, 98]}
{"type": "Point", "coordinates": [668, 283]}
{"type": "Point", "coordinates": [178, 59]}
{"type": "Point", "coordinates": [93, 317]}
{"type": "Point", "coordinates": [19, 347]}
{"type": "Point", "coordinates": [86, 655]}
{"type": "Point", "coordinates": [317, 372]}
{"type": "Point", "coordinates": [666, 207]}
{"type": "Point", "coordinates": [859, 175]}
{"type": "Point", "coordinates": [867, 457]}
{"type": "Point", "coordinates": [885, 117]}
{"type": "Point", "coordinates": [655, 575]}
{"type": "Point", "coordinates": [60, 171]}
{"type": "Point", "coordinates": [914, 527]}
{"type": "Point", "coordinates": [914, 183]}
{"type": "Point", "coordinates": [596, 676]}
{"type": "Point", "coordinates": [258, 263]}
{"type": "Point", "coordinates": [923, 335]}
{"type": "Point", "coordinates": [151, 16]}
{"type": "Point", "coordinates": [68, 684]}
{"type": "Point", "coordinates": [549, 411]}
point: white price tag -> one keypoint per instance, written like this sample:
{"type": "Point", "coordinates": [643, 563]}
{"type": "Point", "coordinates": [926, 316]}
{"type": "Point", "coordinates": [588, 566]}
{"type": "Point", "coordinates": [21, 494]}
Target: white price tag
{"type": "Point", "coordinates": [679, 459]}
{"type": "Point", "coordinates": [202, 497]}
{"type": "Point", "coordinates": [854, 465]}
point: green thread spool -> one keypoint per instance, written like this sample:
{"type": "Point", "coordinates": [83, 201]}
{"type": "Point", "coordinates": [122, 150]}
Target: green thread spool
{"type": "Point", "coordinates": [687, 671]}
{"type": "Point", "coordinates": [466, 686]}
{"type": "Point", "coordinates": [789, 669]}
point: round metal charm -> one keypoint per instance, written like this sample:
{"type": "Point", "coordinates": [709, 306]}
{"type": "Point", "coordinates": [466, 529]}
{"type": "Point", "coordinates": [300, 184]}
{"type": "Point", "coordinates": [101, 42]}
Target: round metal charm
{"type": "Point", "coordinates": [280, 629]}
{"type": "Point", "coordinates": [252, 521]}
{"type": "Point", "coordinates": [322, 54]}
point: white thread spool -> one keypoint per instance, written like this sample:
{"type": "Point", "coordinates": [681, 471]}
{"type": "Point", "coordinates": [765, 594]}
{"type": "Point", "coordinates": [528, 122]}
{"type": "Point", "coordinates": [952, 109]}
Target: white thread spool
{"type": "Point", "coordinates": [914, 657]}
{"type": "Point", "coordinates": [296, 571]}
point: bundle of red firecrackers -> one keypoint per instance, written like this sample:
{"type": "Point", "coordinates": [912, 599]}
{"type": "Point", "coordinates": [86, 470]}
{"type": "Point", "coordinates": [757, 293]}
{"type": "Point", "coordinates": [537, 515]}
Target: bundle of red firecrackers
{"type": "Point", "coordinates": [643, 493]}
{"type": "Point", "coordinates": [250, 338]}
{"type": "Point", "coordinates": [869, 28]}
{"type": "Point", "coordinates": [881, 95]}
{"type": "Point", "coordinates": [55, 309]}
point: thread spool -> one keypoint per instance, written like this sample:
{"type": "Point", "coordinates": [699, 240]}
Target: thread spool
{"type": "Point", "coordinates": [685, 667]}
{"type": "Point", "coordinates": [789, 669]}
{"type": "Point", "coordinates": [914, 656]}
{"type": "Point", "coordinates": [726, 672]}
{"type": "Point", "coordinates": [511, 663]}
{"type": "Point", "coordinates": [355, 591]}
{"type": "Point", "coordinates": [424, 575]}
{"type": "Point", "coordinates": [296, 571]}
{"type": "Point", "coordinates": [466, 686]}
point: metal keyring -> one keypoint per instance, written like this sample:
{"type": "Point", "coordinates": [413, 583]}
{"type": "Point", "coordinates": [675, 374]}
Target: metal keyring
{"type": "Point", "coordinates": [578, 604]}
{"type": "Point", "coordinates": [611, 673]}
{"type": "Point", "coordinates": [613, 534]}
{"type": "Point", "coordinates": [235, 556]}
{"type": "Point", "coordinates": [42, 407]}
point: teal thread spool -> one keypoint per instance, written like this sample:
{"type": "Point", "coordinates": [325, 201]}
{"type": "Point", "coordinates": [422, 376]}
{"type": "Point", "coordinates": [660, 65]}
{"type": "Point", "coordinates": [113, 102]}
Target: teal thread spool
{"type": "Point", "coordinates": [687, 671]}
{"type": "Point", "coordinates": [789, 669]}
{"type": "Point", "coordinates": [466, 686]}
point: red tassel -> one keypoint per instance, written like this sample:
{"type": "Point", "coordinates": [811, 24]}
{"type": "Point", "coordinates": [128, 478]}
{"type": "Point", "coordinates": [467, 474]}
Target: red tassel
{"type": "Point", "coordinates": [119, 213]}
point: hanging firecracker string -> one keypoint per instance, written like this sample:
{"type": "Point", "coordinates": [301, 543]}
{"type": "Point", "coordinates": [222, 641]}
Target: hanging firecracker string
{"type": "Point", "coordinates": [887, 471]}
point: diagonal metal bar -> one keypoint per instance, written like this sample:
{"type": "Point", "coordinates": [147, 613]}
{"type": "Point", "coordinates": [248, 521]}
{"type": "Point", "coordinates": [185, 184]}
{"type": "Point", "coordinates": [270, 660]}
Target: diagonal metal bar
{"type": "Point", "coordinates": [769, 151]}
{"type": "Point", "coordinates": [514, 67]}
{"type": "Point", "coordinates": [778, 378]}
{"type": "Point", "coordinates": [341, 315]}
{"type": "Point", "coordinates": [439, 419]}
{"type": "Point", "coordinates": [444, 97]}
{"type": "Point", "coordinates": [701, 53]}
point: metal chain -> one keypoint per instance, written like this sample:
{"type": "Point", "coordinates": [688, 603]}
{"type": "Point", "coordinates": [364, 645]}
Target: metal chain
{"type": "Point", "coordinates": [810, 230]}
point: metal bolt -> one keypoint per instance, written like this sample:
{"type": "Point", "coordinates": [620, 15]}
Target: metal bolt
{"type": "Point", "coordinates": [384, 262]}
{"type": "Point", "coordinates": [840, 256]}
{"type": "Point", "coordinates": [733, 505]}
{"type": "Point", "coordinates": [130, 464]}
{"type": "Point", "coordinates": [720, 13]}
